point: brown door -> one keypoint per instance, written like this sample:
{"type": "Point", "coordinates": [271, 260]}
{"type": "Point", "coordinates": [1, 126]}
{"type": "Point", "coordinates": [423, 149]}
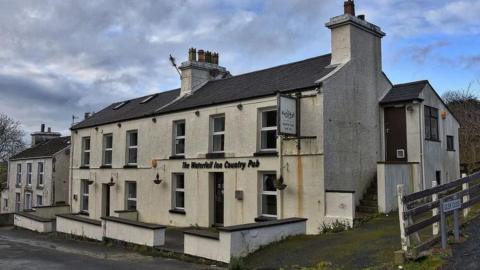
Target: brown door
{"type": "Point", "coordinates": [395, 134]}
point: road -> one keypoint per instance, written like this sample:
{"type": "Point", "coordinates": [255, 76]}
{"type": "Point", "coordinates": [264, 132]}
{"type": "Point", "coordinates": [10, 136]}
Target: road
{"type": "Point", "coordinates": [467, 255]}
{"type": "Point", "coordinates": [20, 249]}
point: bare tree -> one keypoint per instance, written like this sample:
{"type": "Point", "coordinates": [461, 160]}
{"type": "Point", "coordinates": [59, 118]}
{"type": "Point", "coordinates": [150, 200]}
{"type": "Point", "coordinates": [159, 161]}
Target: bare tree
{"type": "Point", "coordinates": [465, 105]}
{"type": "Point", "coordinates": [11, 142]}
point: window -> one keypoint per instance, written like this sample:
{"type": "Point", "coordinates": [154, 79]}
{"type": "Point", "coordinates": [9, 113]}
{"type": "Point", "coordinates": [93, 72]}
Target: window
{"type": "Point", "coordinates": [5, 203]}
{"type": "Point", "coordinates": [86, 151]}
{"type": "Point", "coordinates": [438, 177]}
{"type": "Point", "coordinates": [107, 149]}
{"type": "Point", "coordinates": [39, 200]}
{"type": "Point", "coordinates": [84, 196]}
{"type": "Point", "coordinates": [431, 123]}
{"type": "Point", "coordinates": [131, 201]}
{"type": "Point", "coordinates": [268, 132]}
{"type": "Point", "coordinates": [119, 105]}
{"type": "Point", "coordinates": [29, 174]}
{"type": "Point", "coordinates": [40, 174]}
{"type": "Point", "coordinates": [217, 133]}
{"type": "Point", "coordinates": [19, 174]}
{"type": "Point", "coordinates": [450, 143]}
{"type": "Point", "coordinates": [28, 201]}
{"type": "Point", "coordinates": [179, 138]}
{"type": "Point", "coordinates": [148, 99]}
{"type": "Point", "coordinates": [178, 191]}
{"type": "Point", "coordinates": [17, 202]}
{"type": "Point", "coordinates": [132, 147]}
{"type": "Point", "coordinates": [269, 195]}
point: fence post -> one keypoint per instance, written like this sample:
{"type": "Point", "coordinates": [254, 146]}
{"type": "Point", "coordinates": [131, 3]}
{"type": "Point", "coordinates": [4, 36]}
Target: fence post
{"type": "Point", "coordinates": [456, 226]}
{"type": "Point", "coordinates": [443, 229]}
{"type": "Point", "coordinates": [435, 210]}
{"type": "Point", "coordinates": [466, 198]}
{"type": "Point", "coordinates": [403, 223]}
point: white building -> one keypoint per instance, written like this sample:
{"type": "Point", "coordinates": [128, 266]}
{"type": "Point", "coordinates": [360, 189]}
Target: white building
{"type": "Point", "coordinates": [208, 154]}
{"type": "Point", "coordinates": [39, 175]}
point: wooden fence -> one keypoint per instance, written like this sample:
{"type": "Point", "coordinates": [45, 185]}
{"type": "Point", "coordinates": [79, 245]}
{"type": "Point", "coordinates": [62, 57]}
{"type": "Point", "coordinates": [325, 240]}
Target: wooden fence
{"type": "Point", "coordinates": [420, 210]}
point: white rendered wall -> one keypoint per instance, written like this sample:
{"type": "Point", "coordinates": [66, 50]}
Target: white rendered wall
{"type": "Point", "coordinates": [134, 234]}
{"type": "Point", "coordinates": [33, 225]}
{"type": "Point", "coordinates": [340, 207]}
{"type": "Point", "coordinates": [78, 228]}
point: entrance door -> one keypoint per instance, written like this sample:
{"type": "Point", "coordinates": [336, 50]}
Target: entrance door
{"type": "Point", "coordinates": [218, 198]}
{"type": "Point", "coordinates": [395, 134]}
{"type": "Point", "coordinates": [106, 200]}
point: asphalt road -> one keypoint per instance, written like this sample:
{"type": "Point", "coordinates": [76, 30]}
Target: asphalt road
{"type": "Point", "coordinates": [20, 249]}
{"type": "Point", "coordinates": [467, 255]}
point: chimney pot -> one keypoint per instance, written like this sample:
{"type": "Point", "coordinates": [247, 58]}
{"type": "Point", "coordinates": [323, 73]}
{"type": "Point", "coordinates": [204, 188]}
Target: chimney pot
{"type": "Point", "coordinates": [87, 115]}
{"type": "Point", "coordinates": [49, 129]}
{"type": "Point", "coordinates": [215, 58]}
{"type": "Point", "coordinates": [208, 57]}
{"type": "Point", "coordinates": [42, 128]}
{"type": "Point", "coordinates": [192, 55]}
{"type": "Point", "coordinates": [201, 56]}
{"type": "Point", "coordinates": [349, 7]}
{"type": "Point", "coordinates": [361, 17]}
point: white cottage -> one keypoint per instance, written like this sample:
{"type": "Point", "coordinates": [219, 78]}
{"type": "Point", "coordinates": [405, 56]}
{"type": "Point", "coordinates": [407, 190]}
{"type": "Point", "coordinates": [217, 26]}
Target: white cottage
{"type": "Point", "coordinates": [210, 153]}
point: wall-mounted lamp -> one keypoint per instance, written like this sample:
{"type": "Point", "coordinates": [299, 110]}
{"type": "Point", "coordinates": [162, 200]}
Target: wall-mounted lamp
{"type": "Point", "coordinates": [96, 128]}
{"type": "Point", "coordinates": [111, 183]}
{"type": "Point", "coordinates": [240, 106]}
{"type": "Point", "coordinates": [410, 108]}
{"type": "Point", "coordinates": [154, 120]}
{"type": "Point", "coordinates": [119, 125]}
{"type": "Point", "coordinates": [157, 179]}
{"type": "Point", "coordinates": [197, 113]}
{"type": "Point", "coordinates": [90, 182]}
{"type": "Point", "coordinates": [444, 115]}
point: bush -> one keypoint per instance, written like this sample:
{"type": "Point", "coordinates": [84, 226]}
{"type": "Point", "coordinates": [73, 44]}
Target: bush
{"type": "Point", "coordinates": [237, 264]}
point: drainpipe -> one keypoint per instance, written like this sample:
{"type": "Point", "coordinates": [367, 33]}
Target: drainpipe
{"type": "Point", "coordinates": [280, 158]}
{"type": "Point", "coordinates": [70, 179]}
{"type": "Point", "coordinates": [422, 141]}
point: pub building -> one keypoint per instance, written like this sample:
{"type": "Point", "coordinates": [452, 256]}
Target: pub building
{"type": "Point", "coordinates": [305, 139]}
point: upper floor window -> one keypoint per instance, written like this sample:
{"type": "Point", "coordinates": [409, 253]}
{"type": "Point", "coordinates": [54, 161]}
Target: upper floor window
{"type": "Point", "coordinates": [131, 198]}
{"type": "Point", "coordinates": [84, 196]}
{"type": "Point", "coordinates": [29, 174]}
{"type": "Point", "coordinates": [268, 130]}
{"type": "Point", "coordinates": [41, 172]}
{"type": "Point", "coordinates": [450, 143]}
{"type": "Point", "coordinates": [178, 191]}
{"type": "Point", "coordinates": [132, 147]}
{"type": "Point", "coordinates": [107, 149]}
{"type": "Point", "coordinates": [217, 133]}
{"type": "Point", "coordinates": [86, 151]}
{"type": "Point", "coordinates": [19, 174]}
{"type": "Point", "coordinates": [268, 195]}
{"type": "Point", "coordinates": [179, 137]}
{"type": "Point", "coordinates": [431, 123]}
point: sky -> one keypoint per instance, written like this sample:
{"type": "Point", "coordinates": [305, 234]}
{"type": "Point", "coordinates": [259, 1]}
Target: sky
{"type": "Point", "coordinates": [61, 58]}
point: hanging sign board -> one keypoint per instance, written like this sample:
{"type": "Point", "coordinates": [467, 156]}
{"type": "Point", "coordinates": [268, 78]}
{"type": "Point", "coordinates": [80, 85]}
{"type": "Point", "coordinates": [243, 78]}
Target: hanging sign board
{"type": "Point", "coordinates": [287, 115]}
{"type": "Point", "coordinates": [452, 205]}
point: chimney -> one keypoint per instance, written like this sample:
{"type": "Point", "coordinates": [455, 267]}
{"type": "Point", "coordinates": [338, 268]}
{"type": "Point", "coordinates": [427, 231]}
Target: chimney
{"type": "Point", "coordinates": [49, 130]}
{"type": "Point", "coordinates": [355, 39]}
{"type": "Point", "coordinates": [42, 136]}
{"type": "Point", "coordinates": [349, 7]}
{"type": "Point", "coordinates": [42, 128]}
{"type": "Point", "coordinates": [198, 71]}
{"type": "Point", "coordinates": [86, 115]}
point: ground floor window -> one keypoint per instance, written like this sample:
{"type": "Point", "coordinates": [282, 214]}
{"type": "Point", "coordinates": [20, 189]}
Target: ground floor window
{"type": "Point", "coordinates": [28, 201]}
{"type": "Point", "coordinates": [17, 202]}
{"type": "Point", "coordinates": [178, 191]}
{"type": "Point", "coordinates": [39, 200]}
{"type": "Point", "coordinates": [131, 198]}
{"type": "Point", "coordinates": [84, 196]}
{"type": "Point", "coordinates": [5, 203]}
{"type": "Point", "coordinates": [268, 195]}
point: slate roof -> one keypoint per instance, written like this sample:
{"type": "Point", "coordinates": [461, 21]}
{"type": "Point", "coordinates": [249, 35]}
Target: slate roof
{"type": "Point", "coordinates": [404, 92]}
{"type": "Point", "coordinates": [44, 149]}
{"type": "Point", "coordinates": [262, 83]}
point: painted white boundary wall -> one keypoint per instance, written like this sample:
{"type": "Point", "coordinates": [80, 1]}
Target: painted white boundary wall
{"type": "Point", "coordinates": [391, 175]}
{"type": "Point", "coordinates": [51, 211]}
{"type": "Point", "coordinates": [241, 240]}
{"type": "Point", "coordinates": [68, 225]}
{"type": "Point", "coordinates": [33, 223]}
{"type": "Point", "coordinates": [139, 233]}
{"type": "Point", "coordinates": [340, 206]}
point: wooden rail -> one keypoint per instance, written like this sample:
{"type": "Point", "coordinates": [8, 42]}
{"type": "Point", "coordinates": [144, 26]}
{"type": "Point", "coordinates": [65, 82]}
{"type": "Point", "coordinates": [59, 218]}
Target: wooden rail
{"type": "Point", "coordinates": [414, 207]}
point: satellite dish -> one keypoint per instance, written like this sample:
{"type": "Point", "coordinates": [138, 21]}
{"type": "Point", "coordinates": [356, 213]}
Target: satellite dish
{"type": "Point", "coordinates": [278, 183]}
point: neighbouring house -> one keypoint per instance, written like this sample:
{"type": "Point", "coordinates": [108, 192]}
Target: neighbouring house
{"type": "Point", "coordinates": [3, 186]}
{"type": "Point", "coordinates": [38, 176]}
{"type": "Point", "coordinates": [209, 153]}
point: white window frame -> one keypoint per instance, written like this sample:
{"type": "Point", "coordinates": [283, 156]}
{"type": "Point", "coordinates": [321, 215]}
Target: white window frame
{"type": "Point", "coordinates": [84, 193]}
{"type": "Point", "coordinates": [28, 203]}
{"type": "Point", "coordinates": [127, 194]}
{"type": "Point", "coordinates": [105, 149]}
{"type": "Point", "coordinates": [41, 200]}
{"type": "Point", "coordinates": [265, 129]}
{"type": "Point", "coordinates": [176, 190]}
{"type": "Point", "coordinates": [130, 147]}
{"type": "Point", "coordinates": [86, 151]}
{"type": "Point", "coordinates": [18, 201]}
{"type": "Point", "coordinates": [41, 173]}
{"type": "Point", "coordinates": [267, 193]}
{"type": "Point", "coordinates": [179, 137]}
{"type": "Point", "coordinates": [19, 174]}
{"type": "Point", "coordinates": [214, 133]}
{"type": "Point", "coordinates": [29, 174]}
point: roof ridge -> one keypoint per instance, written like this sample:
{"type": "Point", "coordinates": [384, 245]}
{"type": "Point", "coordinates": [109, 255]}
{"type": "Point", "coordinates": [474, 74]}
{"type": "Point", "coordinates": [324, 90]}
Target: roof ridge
{"type": "Point", "coordinates": [410, 83]}
{"type": "Point", "coordinates": [270, 68]}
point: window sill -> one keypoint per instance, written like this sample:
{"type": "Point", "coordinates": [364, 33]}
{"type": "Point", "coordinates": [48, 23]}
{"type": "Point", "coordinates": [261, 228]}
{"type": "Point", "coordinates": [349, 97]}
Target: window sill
{"type": "Point", "coordinates": [40, 187]}
{"type": "Point", "coordinates": [433, 140]}
{"type": "Point", "coordinates": [450, 150]}
{"type": "Point", "coordinates": [177, 211]}
{"type": "Point", "coordinates": [266, 154]}
{"type": "Point", "coordinates": [18, 185]}
{"type": "Point", "coordinates": [84, 167]}
{"type": "Point", "coordinates": [84, 213]}
{"type": "Point", "coordinates": [177, 157]}
{"type": "Point", "coordinates": [130, 167]}
{"type": "Point", "coordinates": [264, 218]}
{"type": "Point", "coordinates": [106, 167]}
{"type": "Point", "coordinates": [215, 155]}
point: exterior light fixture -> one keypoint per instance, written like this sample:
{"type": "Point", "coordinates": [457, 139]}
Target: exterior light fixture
{"type": "Point", "coordinates": [119, 125]}
{"type": "Point", "coordinates": [240, 106]}
{"type": "Point", "coordinates": [278, 183]}
{"type": "Point", "coordinates": [111, 183]}
{"type": "Point", "coordinates": [197, 113]}
{"type": "Point", "coordinates": [154, 120]}
{"type": "Point", "coordinates": [410, 108]}
{"type": "Point", "coordinates": [157, 179]}
{"type": "Point", "coordinates": [90, 182]}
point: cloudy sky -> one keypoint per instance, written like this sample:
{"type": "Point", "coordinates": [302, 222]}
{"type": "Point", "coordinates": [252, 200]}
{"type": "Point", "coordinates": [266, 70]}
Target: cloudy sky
{"type": "Point", "coordinates": [61, 58]}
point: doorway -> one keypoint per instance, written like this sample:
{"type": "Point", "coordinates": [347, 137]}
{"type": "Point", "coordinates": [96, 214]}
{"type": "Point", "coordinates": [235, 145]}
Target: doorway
{"type": "Point", "coordinates": [105, 200]}
{"type": "Point", "coordinates": [218, 198]}
{"type": "Point", "coordinates": [395, 134]}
